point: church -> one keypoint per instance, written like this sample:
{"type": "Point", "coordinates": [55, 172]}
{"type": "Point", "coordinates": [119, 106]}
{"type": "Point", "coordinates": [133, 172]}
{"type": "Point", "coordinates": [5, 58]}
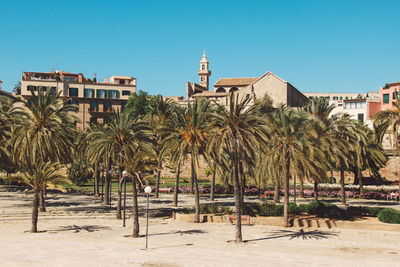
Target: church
{"type": "Point", "coordinates": [280, 91]}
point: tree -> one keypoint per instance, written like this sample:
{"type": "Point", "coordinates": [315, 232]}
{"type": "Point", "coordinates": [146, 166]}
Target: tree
{"type": "Point", "coordinates": [38, 175]}
{"type": "Point", "coordinates": [389, 119]}
{"type": "Point", "coordinates": [238, 133]}
{"type": "Point", "coordinates": [17, 88]}
{"type": "Point", "coordinates": [112, 142]}
{"type": "Point", "coordinates": [186, 133]}
{"type": "Point", "coordinates": [291, 148]}
{"type": "Point", "coordinates": [47, 133]}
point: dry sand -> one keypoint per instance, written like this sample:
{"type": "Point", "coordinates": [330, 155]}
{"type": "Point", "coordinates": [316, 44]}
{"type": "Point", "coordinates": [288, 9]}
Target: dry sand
{"type": "Point", "coordinates": [86, 240]}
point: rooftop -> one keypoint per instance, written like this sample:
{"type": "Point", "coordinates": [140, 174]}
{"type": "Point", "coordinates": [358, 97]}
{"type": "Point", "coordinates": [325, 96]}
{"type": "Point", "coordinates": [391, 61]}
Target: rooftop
{"type": "Point", "coordinates": [235, 81]}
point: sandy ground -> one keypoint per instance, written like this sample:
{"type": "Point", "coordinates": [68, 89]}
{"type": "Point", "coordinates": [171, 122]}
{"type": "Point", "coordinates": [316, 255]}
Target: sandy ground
{"type": "Point", "coordinates": [77, 238]}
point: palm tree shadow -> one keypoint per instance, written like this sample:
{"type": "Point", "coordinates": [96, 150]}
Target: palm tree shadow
{"type": "Point", "coordinates": [77, 228]}
{"type": "Point", "coordinates": [305, 235]}
{"type": "Point", "coordinates": [187, 232]}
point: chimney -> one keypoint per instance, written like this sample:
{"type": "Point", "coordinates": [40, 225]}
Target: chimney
{"type": "Point", "coordinates": [80, 78]}
{"type": "Point", "coordinates": [106, 80]}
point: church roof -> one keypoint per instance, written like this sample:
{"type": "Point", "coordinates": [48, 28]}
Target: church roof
{"type": "Point", "coordinates": [210, 93]}
{"type": "Point", "coordinates": [235, 81]}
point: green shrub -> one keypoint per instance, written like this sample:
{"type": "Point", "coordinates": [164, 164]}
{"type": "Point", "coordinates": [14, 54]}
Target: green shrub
{"type": "Point", "coordinates": [80, 171]}
{"type": "Point", "coordinates": [267, 209]}
{"type": "Point", "coordinates": [364, 211]}
{"type": "Point", "coordinates": [251, 209]}
{"type": "Point", "coordinates": [325, 210]}
{"type": "Point", "coordinates": [213, 208]}
{"type": "Point", "coordinates": [389, 216]}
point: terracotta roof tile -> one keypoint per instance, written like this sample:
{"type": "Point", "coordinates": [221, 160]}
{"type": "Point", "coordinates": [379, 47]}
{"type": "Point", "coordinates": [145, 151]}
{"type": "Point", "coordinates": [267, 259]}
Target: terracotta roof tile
{"type": "Point", "coordinates": [235, 81]}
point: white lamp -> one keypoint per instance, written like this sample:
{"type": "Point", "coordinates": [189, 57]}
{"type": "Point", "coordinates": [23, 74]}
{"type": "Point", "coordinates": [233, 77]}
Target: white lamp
{"type": "Point", "coordinates": [147, 189]}
{"type": "Point", "coordinates": [125, 173]}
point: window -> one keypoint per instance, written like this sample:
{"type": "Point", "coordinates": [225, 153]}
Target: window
{"type": "Point", "coordinates": [123, 106]}
{"type": "Point", "coordinates": [101, 93]}
{"type": "Point", "coordinates": [339, 105]}
{"type": "Point", "coordinates": [93, 120]}
{"type": "Point", "coordinates": [394, 94]}
{"type": "Point", "coordinates": [346, 97]}
{"type": "Point", "coordinates": [31, 88]}
{"type": "Point", "coordinates": [341, 98]}
{"type": "Point", "coordinates": [113, 94]}
{"type": "Point", "coordinates": [203, 67]}
{"type": "Point", "coordinates": [93, 106]}
{"type": "Point", "coordinates": [121, 81]}
{"type": "Point", "coordinates": [360, 117]}
{"type": "Point", "coordinates": [106, 106]}
{"type": "Point", "coordinates": [52, 90]}
{"type": "Point", "coordinates": [335, 98]}
{"type": "Point", "coordinates": [310, 97]}
{"type": "Point", "coordinates": [386, 98]}
{"type": "Point", "coordinates": [88, 93]}
{"type": "Point", "coordinates": [73, 92]}
{"type": "Point", "coordinates": [126, 92]}
{"type": "Point", "coordinates": [70, 79]}
{"type": "Point", "coordinates": [73, 102]}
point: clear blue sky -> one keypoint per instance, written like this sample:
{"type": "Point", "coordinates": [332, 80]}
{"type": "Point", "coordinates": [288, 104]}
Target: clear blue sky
{"type": "Point", "coordinates": [341, 45]}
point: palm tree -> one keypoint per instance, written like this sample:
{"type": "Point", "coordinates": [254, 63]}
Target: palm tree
{"type": "Point", "coordinates": [389, 119]}
{"type": "Point", "coordinates": [186, 133]}
{"type": "Point", "coordinates": [291, 147]}
{"type": "Point", "coordinates": [48, 132]}
{"type": "Point", "coordinates": [161, 110]}
{"type": "Point", "coordinates": [238, 133]}
{"type": "Point", "coordinates": [111, 143]}
{"type": "Point", "coordinates": [39, 175]}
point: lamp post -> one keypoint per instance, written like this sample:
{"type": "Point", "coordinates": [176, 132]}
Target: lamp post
{"type": "Point", "coordinates": [110, 186]}
{"type": "Point", "coordinates": [124, 175]}
{"type": "Point", "coordinates": [102, 181]}
{"type": "Point", "coordinates": [147, 190]}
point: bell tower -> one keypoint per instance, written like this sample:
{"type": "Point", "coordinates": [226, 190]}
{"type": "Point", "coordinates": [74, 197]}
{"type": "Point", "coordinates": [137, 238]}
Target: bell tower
{"type": "Point", "coordinates": [204, 72]}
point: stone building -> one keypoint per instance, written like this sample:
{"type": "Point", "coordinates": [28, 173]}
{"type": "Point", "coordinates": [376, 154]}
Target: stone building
{"type": "Point", "coordinates": [95, 99]}
{"type": "Point", "coordinates": [281, 91]}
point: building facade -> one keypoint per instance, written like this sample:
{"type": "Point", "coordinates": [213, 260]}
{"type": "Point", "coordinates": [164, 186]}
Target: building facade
{"type": "Point", "coordinates": [95, 99]}
{"type": "Point", "coordinates": [280, 91]}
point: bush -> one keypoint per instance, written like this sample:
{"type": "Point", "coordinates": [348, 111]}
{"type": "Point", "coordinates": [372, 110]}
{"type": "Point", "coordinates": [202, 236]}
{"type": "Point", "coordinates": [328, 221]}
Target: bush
{"type": "Point", "coordinates": [325, 210]}
{"type": "Point", "coordinates": [389, 216]}
{"type": "Point", "coordinates": [364, 211]}
{"type": "Point", "coordinates": [80, 172]}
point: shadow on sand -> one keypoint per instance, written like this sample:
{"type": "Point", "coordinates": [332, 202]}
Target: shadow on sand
{"type": "Point", "coordinates": [77, 228]}
{"type": "Point", "coordinates": [314, 234]}
{"type": "Point", "coordinates": [187, 232]}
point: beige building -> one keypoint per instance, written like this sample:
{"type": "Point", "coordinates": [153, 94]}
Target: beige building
{"type": "Point", "coordinates": [95, 99]}
{"type": "Point", "coordinates": [281, 91]}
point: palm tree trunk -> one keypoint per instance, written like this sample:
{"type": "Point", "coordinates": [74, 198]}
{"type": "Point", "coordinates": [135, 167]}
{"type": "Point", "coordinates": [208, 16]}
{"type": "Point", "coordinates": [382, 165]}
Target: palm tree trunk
{"type": "Point", "coordinates": [286, 193]}
{"type": "Point", "coordinates": [119, 202]}
{"type": "Point", "coordinates": [42, 207]}
{"type": "Point", "coordinates": [35, 212]}
{"type": "Point", "coordinates": [191, 185]}
{"type": "Point", "coordinates": [158, 183]}
{"type": "Point", "coordinates": [96, 180]}
{"type": "Point", "coordinates": [237, 203]}
{"type": "Point", "coordinates": [176, 189]}
{"type": "Point", "coordinates": [276, 193]}
{"type": "Point", "coordinates": [342, 189]}
{"type": "Point", "coordinates": [315, 191]}
{"type": "Point", "coordinates": [106, 189]}
{"type": "Point", "coordinates": [302, 187]}
{"type": "Point", "coordinates": [213, 182]}
{"type": "Point", "coordinates": [135, 209]}
{"type": "Point", "coordinates": [196, 195]}
{"type": "Point", "coordinates": [359, 174]}
{"type": "Point", "coordinates": [242, 183]}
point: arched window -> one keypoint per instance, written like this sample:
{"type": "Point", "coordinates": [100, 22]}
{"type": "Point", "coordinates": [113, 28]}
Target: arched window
{"type": "Point", "coordinates": [220, 90]}
{"type": "Point", "coordinates": [233, 89]}
{"type": "Point", "coordinates": [203, 67]}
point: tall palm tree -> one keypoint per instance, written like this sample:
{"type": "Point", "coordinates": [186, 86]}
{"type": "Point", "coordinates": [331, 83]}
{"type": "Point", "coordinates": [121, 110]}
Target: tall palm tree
{"type": "Point", "coordinates": [111, 142]}
{"type": "Point", "coordinates": [161, 109]}
{"type": "Point", "coordinates": [389, 119]}
{"type": "Point", "coordinates": [186, 133]}
{"type": "Point", "coordinates": [238, 133]}
{"type": "Point", "coordinates": [47, 134]}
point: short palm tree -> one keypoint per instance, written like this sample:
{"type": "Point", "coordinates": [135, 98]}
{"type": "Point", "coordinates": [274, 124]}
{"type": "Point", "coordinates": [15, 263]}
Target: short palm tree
{"type": "Point", "coordinates": [38, 175]}
{"type": "Point", "coordinates": [186, 133]}
{"type": "Point", "coordinates": [238, 133]}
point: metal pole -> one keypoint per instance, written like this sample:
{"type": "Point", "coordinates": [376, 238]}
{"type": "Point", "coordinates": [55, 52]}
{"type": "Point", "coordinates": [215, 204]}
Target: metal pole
{"type": "Point", "coordinates": [123, 225]}
{"type": "Point", "coordinates": [110, 185]}
{"type": "Point", "coordinates": [147, 220]}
